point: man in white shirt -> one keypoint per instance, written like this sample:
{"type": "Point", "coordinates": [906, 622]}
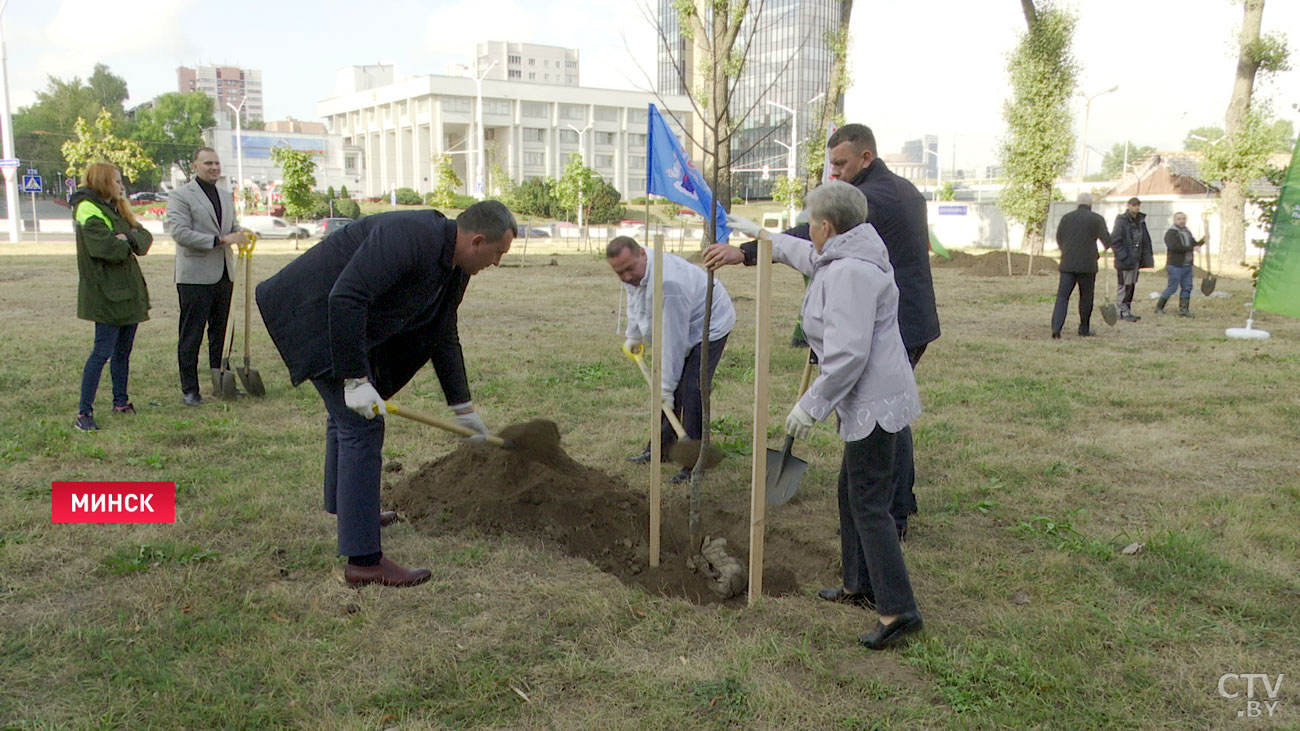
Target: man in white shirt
{"type": "Point", "coordinates": [683, 344]}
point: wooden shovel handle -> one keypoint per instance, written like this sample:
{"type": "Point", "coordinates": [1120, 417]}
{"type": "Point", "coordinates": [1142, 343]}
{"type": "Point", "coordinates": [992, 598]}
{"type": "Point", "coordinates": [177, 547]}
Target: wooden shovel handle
{"type": "Point", "coordinates": [450, 426]}
{"type": "Point", "coordinates": [672, 418]}
{"type": "Point", "coordinates": [806, 380]}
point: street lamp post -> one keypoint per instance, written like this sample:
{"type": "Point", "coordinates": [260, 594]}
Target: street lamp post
{"type": "Point", "coordinates": [582, 152]}
{"type": "Point", "coordinates": [1087, 111]}
{"type": "Point", "coordinates": [7, 123]}
{"type": "Point", "coordinates": [478, 122]}
{"type": "Point", "coordinates": [239, 155]}
{"type": "Point", "coordinates": [938, 166]}
{"type": "Point", "coordinates": [791, 150]}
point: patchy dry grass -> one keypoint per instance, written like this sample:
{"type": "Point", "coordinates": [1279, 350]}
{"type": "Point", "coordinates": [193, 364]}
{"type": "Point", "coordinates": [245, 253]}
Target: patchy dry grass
{"type": "Point", "coordinates": [1037, 459]}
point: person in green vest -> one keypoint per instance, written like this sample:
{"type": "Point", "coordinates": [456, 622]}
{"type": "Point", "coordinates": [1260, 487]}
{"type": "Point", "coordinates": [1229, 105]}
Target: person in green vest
{"type": "Point", "coordinates": [111, 291]}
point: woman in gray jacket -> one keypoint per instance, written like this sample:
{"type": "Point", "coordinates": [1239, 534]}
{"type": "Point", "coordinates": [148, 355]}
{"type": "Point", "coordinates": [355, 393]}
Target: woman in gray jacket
{"type": "Point", "coordinates": [850, 318]}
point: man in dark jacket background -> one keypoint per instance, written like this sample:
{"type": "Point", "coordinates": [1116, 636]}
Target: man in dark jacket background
{"type": "Point", "coordinates": [897, 211]}
{"type": "Point", "coordinates": [1131, 242]}
{"type": "Point", "coordinates": [358, 315]}
{"type": "Point", "coordinates": [1077, 235]}
{"type": "Point", "coordinates": [1181, 246]}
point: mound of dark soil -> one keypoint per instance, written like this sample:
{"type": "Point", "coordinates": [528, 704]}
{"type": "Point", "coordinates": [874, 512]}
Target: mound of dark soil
{"type": "Point", "coordinates": [993, 264]}
{"type": "Point", "coordinates": [537, 491]}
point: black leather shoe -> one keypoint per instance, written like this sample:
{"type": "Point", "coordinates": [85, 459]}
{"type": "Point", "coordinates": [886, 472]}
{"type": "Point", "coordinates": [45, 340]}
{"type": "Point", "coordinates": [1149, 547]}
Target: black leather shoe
{"type": "Point", "coordinates": [1056, 334]}
{"type": "Point", "coordinates": [192, 398]}
{"type": "Point", "coordinates": [856, 598]}
{"type": "Point", "coordinates": [1086, 333]}
{"type": "Point", "coordinates": [683, 476]}
{"type": "Point", "coordinates": [907, 623]}
{"type": "Point", "coordinates": [643, 458]}
{"type": "Point", "coordinates": [387, 518]}
{"type": "Point", "coordinates": [1130, 318]}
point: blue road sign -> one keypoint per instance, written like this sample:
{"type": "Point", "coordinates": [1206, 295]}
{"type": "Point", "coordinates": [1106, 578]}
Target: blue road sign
{"type": "Point", "coordinates": [31, 184]}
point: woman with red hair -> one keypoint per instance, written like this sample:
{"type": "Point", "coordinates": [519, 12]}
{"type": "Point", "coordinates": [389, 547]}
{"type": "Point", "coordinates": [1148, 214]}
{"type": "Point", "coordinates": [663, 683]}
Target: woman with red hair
{"type": "Point", "coordinates": [111, 291]}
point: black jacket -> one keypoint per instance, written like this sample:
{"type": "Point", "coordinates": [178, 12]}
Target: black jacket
{"type": "Point", "coordinates": [1180, 253]}
{"type": "Point", "coordinates": [1077, 235]}
{"type": "Point", "coordinates": [897, 211]}
{"type": "Point", "coordinates": [378, 297]}
{"type": "Point", "coordinates": [1131, 242]}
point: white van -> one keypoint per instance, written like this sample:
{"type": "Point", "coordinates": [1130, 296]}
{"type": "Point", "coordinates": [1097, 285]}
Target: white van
{"type": "Point", "coordinates": [271, 227]}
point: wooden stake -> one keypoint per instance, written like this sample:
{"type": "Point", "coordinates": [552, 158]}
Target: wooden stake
{"type": "Point", "coordinates": [656, 405]}
{"type": "Point", "coordinates": [758, 480]}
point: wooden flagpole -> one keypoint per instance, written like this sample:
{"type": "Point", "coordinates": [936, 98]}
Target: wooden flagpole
{"type": "Point", "coordinates": [656, 407]}
{"type": "Point", "coordinates": [758, 483]}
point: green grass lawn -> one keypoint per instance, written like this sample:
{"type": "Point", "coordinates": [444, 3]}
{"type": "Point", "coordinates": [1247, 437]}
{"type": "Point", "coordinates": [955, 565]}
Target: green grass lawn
{"type": "Point", "coordinates": [1037, 462]}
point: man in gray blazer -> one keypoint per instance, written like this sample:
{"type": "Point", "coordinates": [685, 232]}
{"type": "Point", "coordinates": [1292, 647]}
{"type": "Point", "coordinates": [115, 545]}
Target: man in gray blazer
{"type": "Point", "coordinates": [203, 224]}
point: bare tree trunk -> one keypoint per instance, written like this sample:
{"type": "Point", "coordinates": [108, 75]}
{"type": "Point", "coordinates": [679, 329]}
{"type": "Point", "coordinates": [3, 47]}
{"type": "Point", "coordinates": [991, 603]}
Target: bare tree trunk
{"type": "Point", "coordinates": [1032, 243]}
{"type": "Point", "coordinates": [1233, 198]}
{"type": "Point", "coordinates": [1031, 14]}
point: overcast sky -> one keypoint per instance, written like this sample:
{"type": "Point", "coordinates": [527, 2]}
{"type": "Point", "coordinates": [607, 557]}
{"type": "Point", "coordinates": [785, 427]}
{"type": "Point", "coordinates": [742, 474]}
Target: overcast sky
{"type": "Point", "coordinates": [919, 66]}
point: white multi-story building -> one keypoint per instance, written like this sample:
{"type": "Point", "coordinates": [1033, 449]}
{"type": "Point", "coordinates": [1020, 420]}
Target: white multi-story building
{"type": "Point", "coordinates": [337, 164]}
{"type": "Point", "coordinates": [527, 62]}
{"type": "Point", "coordinates": [529, 129]}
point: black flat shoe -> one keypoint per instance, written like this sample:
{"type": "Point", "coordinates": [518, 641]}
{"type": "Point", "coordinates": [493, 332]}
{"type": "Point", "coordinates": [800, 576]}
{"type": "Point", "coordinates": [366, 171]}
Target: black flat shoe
{"type": "Point", "coordinates": [1085, 333]}
{"type": "Point", "coordinates": [856, 598]}
{"type": "Point", "coordinates": [683, 476]}
{"type": "Point", "coordinates": [643, 458]}
{"type": "Point", "coordinates": [907, 623]}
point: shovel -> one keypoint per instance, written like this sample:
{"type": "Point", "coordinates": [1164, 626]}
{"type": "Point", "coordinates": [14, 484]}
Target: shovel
{"type": "Point", "coordinates": [784, 470]}
{"type": "Point", "coordinates": [223, 378]}
{"type": "Point", "coordinates": [1109, 313]}
{"type": "Point", "coordinates": [685, 452]}
{"type": "Point", "coordinates": [1209, 280]}
{"type": "Point", "coordinates": [248, 375]}
{"type": "Point", "coordinates": [453, 427]}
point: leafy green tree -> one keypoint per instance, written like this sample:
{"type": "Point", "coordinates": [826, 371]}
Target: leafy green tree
{"type": "Point", "coordinates": [343, 192]}
{"type": "Point", "coordinates": [1039, 142]}
{"type": "Point", "coordinates": [172, 130]}
{"type": "Point", "coordinates": [346, 208]}
{"type": "Point", "coordinates": [605, 204]}
{"type": "Point", "coordinates": [92, 144]}
{"type": "Point", "coordinates": [1241, 156]}
{"type": "Point", "coordinates": [947, 192]}
{"type": "Point", "coordinates": [41, 128]}
{"type": "Point", "coordinates": [577, 182]}
{"type": "Point", "coordinates": [788, 191]}
{"type": "Point", "coordinates": [298, 171]}
{"type": "Point", "coordinates": [329, 193]}
{"type": "Point", "coordinates": [1112, 163]}
{"type": "Point", "coordinates": [535, 197]}
{"type": "Point", "coordinates": [1199, 138]}
{"type": "Point", "coordinates": [446, 183]}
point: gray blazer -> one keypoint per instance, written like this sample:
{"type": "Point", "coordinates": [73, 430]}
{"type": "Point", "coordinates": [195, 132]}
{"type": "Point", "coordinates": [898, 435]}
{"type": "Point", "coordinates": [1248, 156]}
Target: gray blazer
{"type": "Point", "coordinates": [194, 225]}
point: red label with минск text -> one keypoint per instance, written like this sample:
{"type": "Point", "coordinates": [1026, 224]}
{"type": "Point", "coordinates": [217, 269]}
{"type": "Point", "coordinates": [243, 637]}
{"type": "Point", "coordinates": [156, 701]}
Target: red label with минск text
{"type": "Point", "coordinates": [113, 502]}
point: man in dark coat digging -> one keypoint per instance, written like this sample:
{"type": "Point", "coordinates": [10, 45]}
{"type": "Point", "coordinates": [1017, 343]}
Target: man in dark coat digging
{"type": "Point", "coordinates": [357, 315]}
{"type": "Point", "coordinates": [897, 211]}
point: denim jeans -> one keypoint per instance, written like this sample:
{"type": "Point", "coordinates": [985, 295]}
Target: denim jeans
{"type": "Point", "coordinates": [113, 346]}
{"type": "Point", "coordinates": [1180, 278]}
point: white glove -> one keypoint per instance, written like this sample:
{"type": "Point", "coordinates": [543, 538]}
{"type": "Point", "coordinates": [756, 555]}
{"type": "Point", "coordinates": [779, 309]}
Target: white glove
{"type": "Point", "coordinates": [799, 424]}
{"type": "Point", "coordinates": [362, 397]}
{"type": "Point", "coordinates": [744, 225]}
{"type": "Point", "coordinates": [632, 345]}
{"type": "Point", "coordinates": [472, 420]}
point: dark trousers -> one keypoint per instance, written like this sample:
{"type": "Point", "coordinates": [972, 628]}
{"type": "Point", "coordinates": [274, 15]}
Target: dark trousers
{"type": "Point", "coordinates": [353, 459]}
{"type": "Point", "coordinates": [113, 345]}
{"type": "Point", "coordinates": [869, 548]}
{"type": "Point", "coordinates": [1125, 285]}
{"type": "Point", "coordinates": [904, 499]}
{"type": "Point", "coordinates": [202, 305]}
{"type": "Point", "coordinates": [686, 399]}
{"type": "Point", "coordinates": [1087, 282]}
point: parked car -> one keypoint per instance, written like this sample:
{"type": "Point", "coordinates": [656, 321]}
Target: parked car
{"type": "Point", "coordinates": [272, 227]}
{"type": "Point", "coordinates": [147, 196]}
{"type": "Point", "coordinates": [327, 226]}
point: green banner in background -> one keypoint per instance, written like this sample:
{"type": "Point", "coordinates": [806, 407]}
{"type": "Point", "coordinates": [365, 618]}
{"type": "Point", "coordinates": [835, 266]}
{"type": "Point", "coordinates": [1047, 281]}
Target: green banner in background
{"type": "Point", "coordinates": [1278, 289]}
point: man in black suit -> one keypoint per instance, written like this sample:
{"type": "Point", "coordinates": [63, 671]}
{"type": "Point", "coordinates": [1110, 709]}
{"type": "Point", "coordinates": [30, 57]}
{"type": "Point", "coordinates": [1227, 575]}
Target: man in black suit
{"type": "Point", "coordinates": [1077, 235]}
{"type": "Point", "coordinates": [358, 315]}
{"type": "Point", "coordinates": [897, 211]}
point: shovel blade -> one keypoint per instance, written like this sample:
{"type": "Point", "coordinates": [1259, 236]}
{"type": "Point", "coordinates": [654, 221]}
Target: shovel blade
{"type": "Point", "coordinates": [226, 389]}
{"type": "Point", "coordinates": [1110, 314]}
{"type": "Point", "coordinates": [252, 381]}
{"type": "Point", "coordinates": [783, 474]}
{"type": "Point", "coordinates": [1207, 284]}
